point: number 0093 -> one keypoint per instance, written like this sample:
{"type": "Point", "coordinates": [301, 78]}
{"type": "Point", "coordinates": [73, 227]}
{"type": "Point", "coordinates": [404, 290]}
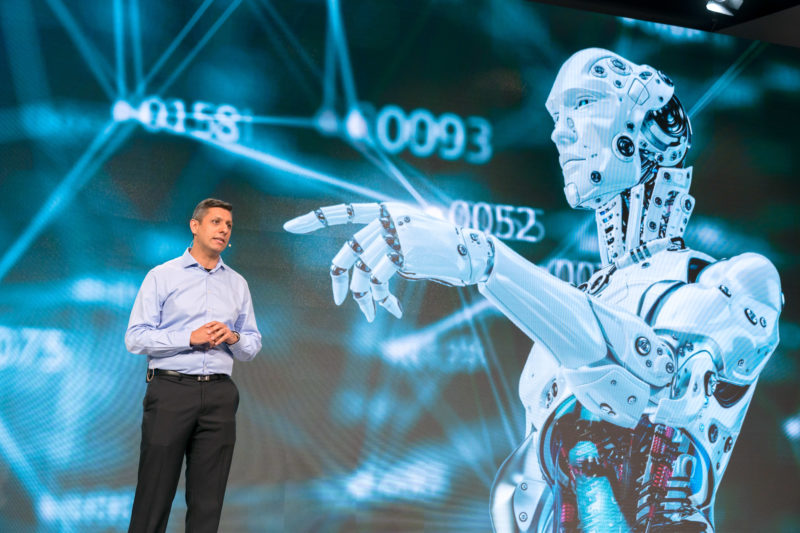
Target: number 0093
{"type": "Point", "coordinates": [448, 135]}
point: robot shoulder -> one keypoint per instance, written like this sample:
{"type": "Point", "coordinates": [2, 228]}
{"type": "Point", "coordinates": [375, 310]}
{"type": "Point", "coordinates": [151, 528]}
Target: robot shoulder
{"type": "Point", "coordinates": [732, 311]}
{"type": "Point", "coordinates": [750, 275]}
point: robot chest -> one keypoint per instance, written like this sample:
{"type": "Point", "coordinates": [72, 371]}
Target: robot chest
{"type": "Point", "coordinates": [628, 287]}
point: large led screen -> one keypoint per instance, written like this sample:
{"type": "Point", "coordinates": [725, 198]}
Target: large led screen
{"type": "Point", "coordinates": [119, 116]}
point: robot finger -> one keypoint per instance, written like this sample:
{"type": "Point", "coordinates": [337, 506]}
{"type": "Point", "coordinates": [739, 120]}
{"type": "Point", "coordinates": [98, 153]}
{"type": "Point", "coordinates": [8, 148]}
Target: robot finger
{"type": "Point", "coordinates": [364, 212]}
{"type": "Point", "coordinates": [375, 251]}
{"type": "Point", "coordinates": [360, 281]}
{"type": "Point", "coordinates": [384, 269]}
{"type": "Point", "coordinates": [333, 215]}
{"type": "Point", "coordinates": [347, 255]}
{"type": "Point", "coordinates": [381, 294]}
{"type": "Point", "coordinates": [380, 291]}
{"type": "Point", "coordinates": [339, 284]}
{"type": "Point", "coordinates": [391, 304]}
{"type": "Point", "coordinates": [304, 223]}
{"type": "Point", "coordinates": [367, 234]}
{"type": "Point", "coordinates": [340, 265]}
{"type": "Point", "coordinates": [379, 283]}
{"type": "Point", "coordinates": [366, 303]}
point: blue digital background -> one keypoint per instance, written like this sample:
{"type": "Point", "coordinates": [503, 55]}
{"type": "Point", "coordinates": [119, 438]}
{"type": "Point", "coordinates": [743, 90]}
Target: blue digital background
{"type": "Point", "coordinates": [343, 425]}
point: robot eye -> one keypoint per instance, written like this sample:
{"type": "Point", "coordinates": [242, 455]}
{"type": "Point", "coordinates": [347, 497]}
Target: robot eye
{"type": "Point", "coordinates": [583, 101]}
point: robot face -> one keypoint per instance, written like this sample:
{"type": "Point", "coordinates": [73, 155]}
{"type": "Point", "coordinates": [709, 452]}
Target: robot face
{"type": "Point", "coordinates": [598, 103]}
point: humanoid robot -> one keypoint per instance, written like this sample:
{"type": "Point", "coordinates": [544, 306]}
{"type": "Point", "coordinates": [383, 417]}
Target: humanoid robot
{"type": "Point", "coordinates": [638, 381]}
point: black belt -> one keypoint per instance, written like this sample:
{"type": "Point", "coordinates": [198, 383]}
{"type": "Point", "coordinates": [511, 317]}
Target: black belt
{"type": "Point", "coordinates": [194, 377]}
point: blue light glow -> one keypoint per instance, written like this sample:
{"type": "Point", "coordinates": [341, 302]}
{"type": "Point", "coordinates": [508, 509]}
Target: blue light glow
{"type": "Point", "coordinates": [98, 509]}
{"type": "Point", "coordinates": [406, 480]}
{"type": "Point", "coordinates": [674, 33]}
{"type": "Point", "coordinates": [41, 350]}
{"type": "Point", "coordinates": [791, 428]}
{"type": "Point", "coordinates": [423, 349]}
{"type": "Point", "coordinates": [95, 290]}
{"type": "Point", "coordinates": [356, 125]}
{"type": "Point", "coordinates": [122, 111]}
{"type": "Point", "coordinates": [327, 122]}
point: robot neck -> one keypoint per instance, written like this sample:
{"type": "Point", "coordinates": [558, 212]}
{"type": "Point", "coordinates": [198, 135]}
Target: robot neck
{"type": "Point", "coordinates": [657, 208]}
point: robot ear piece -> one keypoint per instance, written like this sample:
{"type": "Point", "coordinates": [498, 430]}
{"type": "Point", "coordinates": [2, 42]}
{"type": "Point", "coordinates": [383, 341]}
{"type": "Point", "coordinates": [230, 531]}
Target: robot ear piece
{"type": "Point", "coordinates": [623, 146]}
{"type": "Point", "coordinates": [668, 132]}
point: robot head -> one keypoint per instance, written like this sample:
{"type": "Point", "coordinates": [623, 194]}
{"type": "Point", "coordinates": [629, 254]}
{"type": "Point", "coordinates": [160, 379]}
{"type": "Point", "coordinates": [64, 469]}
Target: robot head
{"type": "Point", "coordinates": [611, 116]}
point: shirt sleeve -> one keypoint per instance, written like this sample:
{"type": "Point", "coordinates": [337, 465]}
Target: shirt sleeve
{"type": "Point", "coordinates": [144, 335]}
{"type": "Point", "coordinates": [249, 338]}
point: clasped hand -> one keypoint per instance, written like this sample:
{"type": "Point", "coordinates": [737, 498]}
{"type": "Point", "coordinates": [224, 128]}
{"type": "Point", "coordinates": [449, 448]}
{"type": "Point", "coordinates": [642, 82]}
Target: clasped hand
{"type": "Point", "coordinates": [211, 335]}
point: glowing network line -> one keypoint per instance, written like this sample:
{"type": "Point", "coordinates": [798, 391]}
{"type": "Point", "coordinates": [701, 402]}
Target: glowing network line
{"type": "Point", "coordinates": [136, 38]}
{"type": "Point", "coordinates": [93, 59]}
{"type": "Point", "coordinates": [283, 27]}
{"type": "Point", "coordinates": [293, 168]}
{"type": "Point", "coordinates": [99, 149]}
{"type": "Point", "coordinates": [329, 82]}
{"type": "Point", "coordinates": [19, 463]}
{"type": "Point", "coordinates": [75, 179]}
{"type": "Point", "coordinates": [199, 46]}
{"type": "Point", "coordinates": [269, 22]}
{"type": "Point", "coordinates": [738, 66]}
{"type": "Point", "coordinates": [292, 122]}
{"type": "Point", "coordinates": [382, 161]}
{"type": "Point", "coordinates": [173, 46]}
{"type": "Point", "coordinates": [24, 53]}
{"type": "Point", "coordinates": [354, 126]}
{"type": "Point", "coordinates": [504, 416]}
{"type": "Point", "coordinates": [119, 48]}
{"type": "Point", "coordinates": [395, 350]}
{"type": "Point", "coordinates": [336, 28]}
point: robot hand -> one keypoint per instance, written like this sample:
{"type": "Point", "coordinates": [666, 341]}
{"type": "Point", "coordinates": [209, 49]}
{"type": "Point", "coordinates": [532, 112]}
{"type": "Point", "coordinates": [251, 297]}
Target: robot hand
{"type": "Point", "coordinates": [397, 239]}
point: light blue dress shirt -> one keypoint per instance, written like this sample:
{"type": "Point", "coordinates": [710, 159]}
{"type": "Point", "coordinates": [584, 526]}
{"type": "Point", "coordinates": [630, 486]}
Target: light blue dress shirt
{"type": "Point", "coordinates": [178, 297]}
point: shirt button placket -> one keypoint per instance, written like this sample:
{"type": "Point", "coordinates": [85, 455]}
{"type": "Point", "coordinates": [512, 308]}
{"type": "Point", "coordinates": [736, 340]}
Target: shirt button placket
{"type": "Point", "coordinates": [208, 314]}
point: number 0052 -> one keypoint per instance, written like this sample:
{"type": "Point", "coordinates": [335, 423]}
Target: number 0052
{"type": "Point", "coordinates": [508, 222]}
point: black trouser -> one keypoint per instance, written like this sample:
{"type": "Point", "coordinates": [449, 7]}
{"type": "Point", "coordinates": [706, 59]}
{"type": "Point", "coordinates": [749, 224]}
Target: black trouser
{"type": "Point", "coordinates": [195, 418]}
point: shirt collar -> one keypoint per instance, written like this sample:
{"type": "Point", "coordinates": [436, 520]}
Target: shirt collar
{"type": "Point", "coordinates": [188, 261]}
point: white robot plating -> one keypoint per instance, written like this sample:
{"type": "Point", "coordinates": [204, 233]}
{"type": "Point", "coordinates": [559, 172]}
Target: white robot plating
{"type": "Point", "coordinates": [638, 381]}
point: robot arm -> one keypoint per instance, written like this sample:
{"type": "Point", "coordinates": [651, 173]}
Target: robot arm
{"type": "Point", "coordinates": [579, 330]}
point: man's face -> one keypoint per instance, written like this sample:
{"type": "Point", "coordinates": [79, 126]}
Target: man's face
{"type": "Point", "coordinates": [212, 233]}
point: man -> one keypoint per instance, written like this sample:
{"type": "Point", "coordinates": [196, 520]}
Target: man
{"type": "Point", "coordinates": [639, 380]}
{"type": "Point", "coordinates": [193, 315]}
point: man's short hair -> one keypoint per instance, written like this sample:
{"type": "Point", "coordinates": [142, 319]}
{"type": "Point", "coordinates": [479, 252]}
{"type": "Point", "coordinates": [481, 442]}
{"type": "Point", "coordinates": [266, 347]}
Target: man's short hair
{"type": "Point", "coordinates": [203, 207]}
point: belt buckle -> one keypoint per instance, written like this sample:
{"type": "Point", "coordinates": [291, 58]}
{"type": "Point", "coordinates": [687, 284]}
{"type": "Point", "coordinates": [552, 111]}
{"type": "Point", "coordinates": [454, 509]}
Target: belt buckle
{"type": "Point", "coordinates": [150, 374]}
{"type": "Point", "coordinates": [204, 378]}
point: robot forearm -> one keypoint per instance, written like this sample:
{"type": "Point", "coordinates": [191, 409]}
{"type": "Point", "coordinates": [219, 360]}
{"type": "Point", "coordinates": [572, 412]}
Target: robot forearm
{"type": "Point", "coordinates": [545, 308]}
{"type": "Point", "coordinates": [577, 329]}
